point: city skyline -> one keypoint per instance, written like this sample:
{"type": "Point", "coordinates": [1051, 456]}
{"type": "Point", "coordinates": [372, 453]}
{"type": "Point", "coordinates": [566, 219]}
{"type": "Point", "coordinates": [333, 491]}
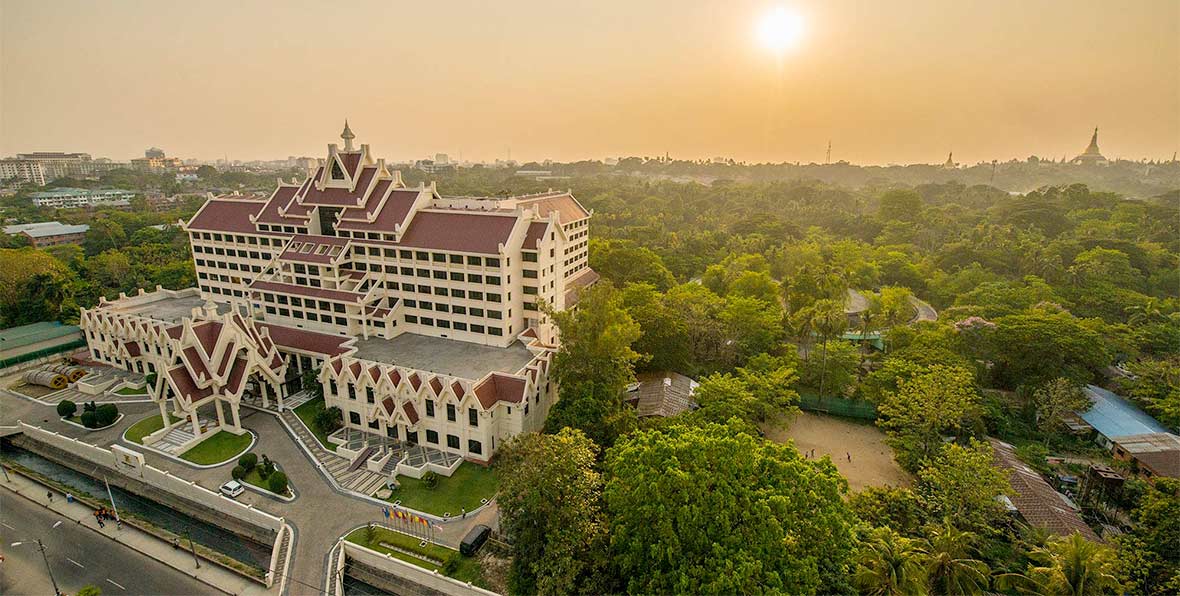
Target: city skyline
{"type": "Point", "coordinates": [480, 81]}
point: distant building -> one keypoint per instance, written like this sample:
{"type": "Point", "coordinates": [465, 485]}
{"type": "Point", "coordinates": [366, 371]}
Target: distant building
{"type": "Point", "coordinates": [25, 170]}
{"type": "Point", "coordinates": [433, 167]}
{"type": "Point", "coordinates": [49, 233]}
{"type": "Point", "coordinates": [155, 152]}
{"type": "Point", "coordinates": [1131, 434]}
{"type": "Point", "coordinates": [950, 164]}
{"type": "Point", "coordinates": [442, 158]}
{"type": "Point", "coordinates": [1155, 454]}
{"type": "Point", "coordinates": [57, 164]}
{"type": "Point", "coordinates": [156, 164]}
{"type": "Point", "coordinates": [1091, 156]}
{"type": "Point", "coordinates": [28, 342]}
{"type": "Point", "coordinates": [71, 198]}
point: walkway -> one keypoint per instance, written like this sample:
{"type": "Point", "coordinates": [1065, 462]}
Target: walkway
{"type": "Point", "coordinates": [361, 480]}
{"type": "Point", "coordinates": [173, 440]}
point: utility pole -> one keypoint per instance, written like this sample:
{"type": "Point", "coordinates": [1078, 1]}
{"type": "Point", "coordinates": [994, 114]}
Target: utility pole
{"type": "Point", "coordinates": [829, 159]}
{"type": "Point", "coordinates": [118, 522]}
{"type": "Point", "coordinates": [193, 548]}
{"type": "Point", "coordinates": [41, 546]}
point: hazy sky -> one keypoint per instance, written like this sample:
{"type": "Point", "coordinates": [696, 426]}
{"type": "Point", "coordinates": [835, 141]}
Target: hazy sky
{"type": "Point", "coordinates": [886, 82]}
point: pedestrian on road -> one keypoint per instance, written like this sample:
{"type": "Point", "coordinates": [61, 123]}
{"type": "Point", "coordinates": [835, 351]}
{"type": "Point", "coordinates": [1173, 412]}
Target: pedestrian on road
{"type": "Point", "coordinates": [849, 455]}
{"type": "Point", "coordinates": [464, 513]}
{"type": "Point", "coordinates": [50, 496]}
{"type": "Point", "coordinates": [175, 543]}
{"type": "Point", "coordinates": [98, 518]}
{"type": "Point", "coordinates": [69, 498]}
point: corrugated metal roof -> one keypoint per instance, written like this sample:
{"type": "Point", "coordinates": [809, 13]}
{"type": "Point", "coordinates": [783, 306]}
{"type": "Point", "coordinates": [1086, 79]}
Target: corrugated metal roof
{"type": "Point", "coordinates": [43, 229]}
{"type": "Point", "coordinates": [35, 333]}
{"type": "Point", "coordinates": [1113, 416]}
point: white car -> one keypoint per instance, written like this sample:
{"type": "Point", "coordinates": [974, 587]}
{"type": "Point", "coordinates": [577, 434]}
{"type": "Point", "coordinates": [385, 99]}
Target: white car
{"type": "Point", "coordinates": [232, 489]}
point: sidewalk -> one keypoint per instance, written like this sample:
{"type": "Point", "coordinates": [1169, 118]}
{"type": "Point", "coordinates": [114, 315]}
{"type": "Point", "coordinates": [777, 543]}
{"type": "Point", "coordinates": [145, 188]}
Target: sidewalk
{"type": "Point", "coordinates": [179, 559]}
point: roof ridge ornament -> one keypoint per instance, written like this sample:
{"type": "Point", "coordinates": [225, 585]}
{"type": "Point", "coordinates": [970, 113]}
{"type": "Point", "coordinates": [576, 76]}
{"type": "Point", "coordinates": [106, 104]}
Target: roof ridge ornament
{"type": "Point", "coordinates": [347, 136]}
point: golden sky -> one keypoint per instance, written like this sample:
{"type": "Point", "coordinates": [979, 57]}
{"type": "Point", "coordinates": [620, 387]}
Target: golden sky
{"type": "Point", "coordinates": [885, 81]}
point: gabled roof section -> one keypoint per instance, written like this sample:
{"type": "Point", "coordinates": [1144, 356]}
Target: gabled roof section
{"type": "Point", "coordinates": [333, 196]}
{"type": "Point", "coordinates": [315, 249]}
{"type": "Point", "coordinates": [227, 215]}
{"type": "Point", "coordinates": [535, 234]}
{"type": "Point", "coordinates": [497, 388]}
{"type": "Point", "coordinates": [567, 207]}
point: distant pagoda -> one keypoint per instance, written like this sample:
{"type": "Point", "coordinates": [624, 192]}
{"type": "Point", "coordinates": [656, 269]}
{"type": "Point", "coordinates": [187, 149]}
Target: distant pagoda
{"type": "Point", "coordinates": [1091, 156]}
{"type": "Point", "coordinates": [950, 162]}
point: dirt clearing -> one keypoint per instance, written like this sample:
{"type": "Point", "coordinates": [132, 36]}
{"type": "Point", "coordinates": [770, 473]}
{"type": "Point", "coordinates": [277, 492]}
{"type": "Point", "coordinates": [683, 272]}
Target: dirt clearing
{"type": "Point", "coordinates": [872, 460]}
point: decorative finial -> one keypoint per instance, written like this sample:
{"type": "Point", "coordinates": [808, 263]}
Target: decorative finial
{"type": "Point", "coordinates": [347, 136]}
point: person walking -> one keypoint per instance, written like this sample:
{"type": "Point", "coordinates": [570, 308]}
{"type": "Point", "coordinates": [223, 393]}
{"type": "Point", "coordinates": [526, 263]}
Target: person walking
{"type": "Point", "coordinates": [49, 495]}
{"type": "Point", "coordinates": [98, 518]}
{"type": "Point", "coordinates": [69, 498]}
{"type": "Point", "coordinates": [849, 455]}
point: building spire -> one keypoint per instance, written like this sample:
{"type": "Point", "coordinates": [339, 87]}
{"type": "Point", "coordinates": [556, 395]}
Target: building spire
{"type": "Point", "coordinates": [347, 136]}
{"type": "Point", "coordinates": [1093, 148]}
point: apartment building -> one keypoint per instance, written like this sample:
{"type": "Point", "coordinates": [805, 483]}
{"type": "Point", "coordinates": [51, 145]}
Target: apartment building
{"type": "Point", "coordinates": [73, 198]}
{"type": "Point", "coordinates": [49, 233]}
{"type": "Point", "coordinates": [24, 170]}
{"type": "Point", "coordinates": [422, 312]}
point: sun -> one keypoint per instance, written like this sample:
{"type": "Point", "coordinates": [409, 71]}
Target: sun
{"type": "Point", "coordinates": [780, 29]}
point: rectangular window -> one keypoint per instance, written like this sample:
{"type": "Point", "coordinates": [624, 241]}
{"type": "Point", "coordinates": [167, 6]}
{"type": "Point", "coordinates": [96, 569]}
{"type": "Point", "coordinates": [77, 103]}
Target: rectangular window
{"type": "Point", "coordinates": [457, 259]}
{"type": "Point", "coordinates": [530, 290]}
{"type": "Point", "coordinates": [495, 331]}
{"type": "Point", "coordinates": [474, 447]}
{"type": "Point", "coordinates": [438, 257]}
{"type": "Point", "coordinates": [477, 329]}
{"type": "Point", "coordinates": [369, 395]}
{"type": "Point", "coordinates": [493, 280]}
{"type": "Point", "coordinates": [456, 276]}
{"type": "Point", "coordinates": [430, 408]}
{"type": "Point", "coordinates": [495, 314]}
{"type": "Point", "coordinates": [452, 441]}
{"type": "Point", "coordinates": [354, 418]}
{"type": "Point", "coordinates": [530, 274]}
{"type": "Point", "coordinates": [529, 257]}
{"type": "Point", "coordinates": [472, 417]}
{"type": "Point", "coordinates": [391, 432]}
{"type": "Point", "coordinates": [432, 437]}
{"type": "Point", "coordinates": [450, 412]}
{"type": "Point", "coordinates": [492, 262]}
{"type": "Point", "coordinates": [460, 326]}
{"type": "Point", "coordinates": [474, 278]}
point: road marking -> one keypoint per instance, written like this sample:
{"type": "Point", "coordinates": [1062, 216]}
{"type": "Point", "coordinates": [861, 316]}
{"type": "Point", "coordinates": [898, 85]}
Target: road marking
{"type": "Point", "coordinates": [75, 562]}
{"type": "Point", "coordinates": [116, 584]}
{"type": "Point", "coordinates": [7, 526]}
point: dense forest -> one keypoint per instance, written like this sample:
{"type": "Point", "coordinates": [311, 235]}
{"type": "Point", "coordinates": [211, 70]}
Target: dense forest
{"type": "Point", "coordinates": [744, 286]}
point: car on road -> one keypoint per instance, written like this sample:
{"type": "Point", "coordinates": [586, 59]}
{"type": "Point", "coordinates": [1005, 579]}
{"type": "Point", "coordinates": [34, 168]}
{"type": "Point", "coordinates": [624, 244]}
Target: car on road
{"type": "Point", "coordinates": [232, 489]}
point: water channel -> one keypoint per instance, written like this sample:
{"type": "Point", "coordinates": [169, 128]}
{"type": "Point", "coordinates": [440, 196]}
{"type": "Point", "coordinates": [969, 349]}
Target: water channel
{"type": "Point", "coordinates": [213, 537]}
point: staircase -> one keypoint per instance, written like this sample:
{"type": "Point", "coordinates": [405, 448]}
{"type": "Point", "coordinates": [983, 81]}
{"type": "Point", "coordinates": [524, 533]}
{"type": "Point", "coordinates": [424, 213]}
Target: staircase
{"type": "Point", "coordinates": [352, 476]}
{"type": "Point", "coordinates": [279, 561]}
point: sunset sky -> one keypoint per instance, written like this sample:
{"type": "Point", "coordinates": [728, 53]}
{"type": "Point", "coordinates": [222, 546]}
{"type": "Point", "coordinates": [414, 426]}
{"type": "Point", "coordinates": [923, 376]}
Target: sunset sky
{"type": "Point", "coordinates": [885, 81]}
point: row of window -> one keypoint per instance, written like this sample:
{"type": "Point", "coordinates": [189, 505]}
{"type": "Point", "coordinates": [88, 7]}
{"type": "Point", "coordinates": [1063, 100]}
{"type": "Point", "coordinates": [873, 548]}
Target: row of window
{"type": "Point", "coordinates": [473, 446]}
{"type": "Point", "coordinates": [420, 255]}
{"type": "Point", "coordinates": [261, 241]}
{"type": "Point", "coordinates": [456, 325]}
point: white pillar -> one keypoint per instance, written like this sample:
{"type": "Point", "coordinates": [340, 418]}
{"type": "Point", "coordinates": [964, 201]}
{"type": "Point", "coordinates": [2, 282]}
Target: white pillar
{"type": "Point", "coordinates": [220, 414]}
{"type": "Point", "coordinates": [233, 409]}
{"type": "Point", "coordinates": [164, 414]}
{"type": "Point", "coordinates": [196, 423]}
{"type": "Point", "coordinates": [262, 385]}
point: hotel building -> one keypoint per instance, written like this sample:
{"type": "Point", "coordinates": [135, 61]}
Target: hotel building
{"type": "Point", "coordinates": [421, 312]}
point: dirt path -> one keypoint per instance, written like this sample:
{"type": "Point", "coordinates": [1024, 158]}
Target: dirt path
{"type": "Point", "coordinates": [872, 460]}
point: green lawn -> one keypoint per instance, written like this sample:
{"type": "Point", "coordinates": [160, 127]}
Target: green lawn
{"type": "Point", "coordinates": [464, 569]}
{"type": "Point", "coordinates": [221, 447]}
{"type": "Point", "coordinates": [462, 490]}
{"type": "Point", "coordinates": [145, 427]}
{"type": "Point", "coordinates": [131, 391]}
{"type": "Point", "coordinates": [253, 478]}
{"type": "Point", "coordinates": [307, 413]}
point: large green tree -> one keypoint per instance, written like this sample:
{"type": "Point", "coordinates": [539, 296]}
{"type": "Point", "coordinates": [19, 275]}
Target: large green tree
{"type": "Point", "coordinates": [709, 509]}
{"type": "Point", "coordinates": [1042, 344]}
{"type": "Point", "coordinates": [941, 401]}
{"type": "Point", "coordinates": [550, 503]}
{"type": "Point", "coordinates": [963, 483]}
{"type": "Point", "coordinates": [1149, 560]}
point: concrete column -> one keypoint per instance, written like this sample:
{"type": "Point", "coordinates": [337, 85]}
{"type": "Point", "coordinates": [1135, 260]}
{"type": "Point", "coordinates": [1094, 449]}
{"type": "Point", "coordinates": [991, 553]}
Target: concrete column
{"type": "Point", "coordinates": [164, 414]}
{"type": "Point", "coordinates": [282, 394]}
{"type": "Point", "coordinates": [262, 385]}
{"type": "Point", "coordinates": [220, 414]}
{"type": "Point", "coordinates": [233, 409]}
{"type": "Point", "coordinates": [196, 423]}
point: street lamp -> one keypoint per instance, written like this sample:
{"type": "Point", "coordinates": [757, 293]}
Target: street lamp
{"type": "Point", "coordinates": [41, 547]}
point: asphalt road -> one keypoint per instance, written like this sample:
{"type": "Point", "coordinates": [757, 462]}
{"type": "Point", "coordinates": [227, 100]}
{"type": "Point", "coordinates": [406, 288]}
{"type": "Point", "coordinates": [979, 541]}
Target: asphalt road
{"type": "Point", "coordinates": [77, 556]}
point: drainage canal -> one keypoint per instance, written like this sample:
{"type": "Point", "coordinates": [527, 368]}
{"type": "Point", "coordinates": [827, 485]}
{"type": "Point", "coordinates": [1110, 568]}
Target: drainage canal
{"type": "Point", "coordinates": [223, 541]}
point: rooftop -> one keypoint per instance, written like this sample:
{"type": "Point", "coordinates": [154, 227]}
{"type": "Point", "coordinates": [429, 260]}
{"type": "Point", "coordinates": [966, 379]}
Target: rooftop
{"type": "Point", "coordinates": [169, 309]}
{"type": "Point", "coordinates": [43, 229]}
{"type": "Point", "coordinates": [1113, 416]}
{"type": "Point", "coordinates": [24, 335]}
{"type": "Point", "coordinates": [1037, 502]}
{"type": "Point", "coordinates": [69, 192]}
{"type": "Point", "coordinates": [445, 356]}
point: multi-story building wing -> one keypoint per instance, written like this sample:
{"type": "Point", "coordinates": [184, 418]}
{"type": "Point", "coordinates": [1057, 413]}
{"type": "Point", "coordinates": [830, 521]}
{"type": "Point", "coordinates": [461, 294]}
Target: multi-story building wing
{"type": "Point", "coordinates": [436, 302]}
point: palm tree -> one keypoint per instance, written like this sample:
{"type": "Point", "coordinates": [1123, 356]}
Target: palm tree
{"type": "Point", "coordinates": [891, 565]}
{"type": "Point", "coordinates": [951, 568]}
{"type": "Point", "coordinates": [830, 321]}
{"type": "Point", "coordinates": [1148, 312]}
{"type": "Point", "coordinates": [869, 318]}
{"type": "Point", "coordinates": [1071, 566]}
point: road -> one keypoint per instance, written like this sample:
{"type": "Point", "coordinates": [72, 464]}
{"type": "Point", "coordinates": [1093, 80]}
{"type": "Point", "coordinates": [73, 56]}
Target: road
{"type": "Point", "coordinates": [78, 556]}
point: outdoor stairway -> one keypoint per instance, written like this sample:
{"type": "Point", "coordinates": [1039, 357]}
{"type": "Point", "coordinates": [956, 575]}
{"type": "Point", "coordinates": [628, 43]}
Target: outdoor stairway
{"type": "Point", "coordinates": [281, 557]}
{"type": "Point", "coordinates": [360, 480]}
{"type": "Point", "coordinates": [391, 465]}
{"type": "Point", "coordinates": [361, 459]}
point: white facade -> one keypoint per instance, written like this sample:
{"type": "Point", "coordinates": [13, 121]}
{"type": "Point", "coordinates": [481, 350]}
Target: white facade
{"type": "Point", "coordinates": [72, 198]}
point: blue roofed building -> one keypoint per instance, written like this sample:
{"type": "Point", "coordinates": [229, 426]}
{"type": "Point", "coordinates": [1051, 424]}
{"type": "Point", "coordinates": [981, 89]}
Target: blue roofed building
{"type": "Point", "coordinates": [1132, 434]}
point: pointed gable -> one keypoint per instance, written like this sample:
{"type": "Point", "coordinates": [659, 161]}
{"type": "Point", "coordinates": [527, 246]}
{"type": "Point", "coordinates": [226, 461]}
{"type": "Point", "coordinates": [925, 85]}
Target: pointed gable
{"type": "Point", "coordinates": [497, 388]}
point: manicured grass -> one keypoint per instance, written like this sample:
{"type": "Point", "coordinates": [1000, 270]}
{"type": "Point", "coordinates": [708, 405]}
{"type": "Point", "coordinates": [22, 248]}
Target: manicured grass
{"type": "Point", "coordinates": [220, 447]}
{"type": "Point", "coordinates": [252, 477]}
{"type": "Point", "coordinates": [145, 427]}
{"type": "Point", "coordinates": [307, 413]}
{"type": "Point", "coordinates": [462, 490]}
{"type": "Point", "coordinates": [131, 391]}
{"type": "Point", "coordinates": [464, 569]}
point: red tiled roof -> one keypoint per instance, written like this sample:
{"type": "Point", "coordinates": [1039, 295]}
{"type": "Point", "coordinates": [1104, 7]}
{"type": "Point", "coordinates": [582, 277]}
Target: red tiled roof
{"type": "Point", "coordinates": [574, 286]}
{"type": "Point", "coordinates": [457, 389]}
{"type": "Point", "coordinates": [186, 386]}
{"type": "Point", "coordinates": [462, 232]}
{"type": "Point", "coordinates": [282, 288]}
{"type": "Point", "coordinates": [375, 373]}
{"type": "Point", "coordinates": [132, 348]}
{"type": "Point", "coordinates": [207, 334]}
{"type": "Point", "coordinates": [394, 212]}
{"type": "Point", "coordinates": [388, 405]}
{"type": "Point", "coordinates": [497, 388]}
{"type": "Point", "coordinates": [1037, 502]}
{"type": "Point", "coordinates": [284, 197]}
{"type": "Point", "coordinates": [436, 385]}
{"type": "Point", "coordinates": [534, 234]}
{"type": "Point", "coordinates": [565, 204]}
{"type": "Point", "coordinates": [395, 377]}
{"type": "Point", "coordinates": [415, 382]}
{"type": "Point", "coordinates": [195, 363]}
{"type": "Point", "coordinates": [236, 376]}
{"type": "Point", "coordinates": [226, 216]}
{"type": "Point", "coordinates": [339, 197]}
{"type": "Point", "coordinates": [411, 412]}
{"type": "Point", "coordinates": [310, 341]}
{"type": "Point", "coordinates": [351, 160]}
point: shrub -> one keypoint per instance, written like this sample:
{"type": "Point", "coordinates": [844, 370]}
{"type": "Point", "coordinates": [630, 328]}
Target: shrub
{"type": "Point", "coordinates": [66, 408]}
{"type": "Point", "coordinates": [329, 420]}
{"type": "Point", "coordinates": [106, 414]}
{"type": "Point", "coordinates": [267, 468]}
{"type": "Point", "coordinates": [430, 479]}
{"type": "Point", "coordinates": [89, 406]}
{"type": "Point", "coordinates": [277, 483]}
{"type": "Point", "coordinates": [248, 461]}
{"type": "Point", "coordinates": [89, 419]}
{"type": "Point", "coordinates": [238, 472]}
